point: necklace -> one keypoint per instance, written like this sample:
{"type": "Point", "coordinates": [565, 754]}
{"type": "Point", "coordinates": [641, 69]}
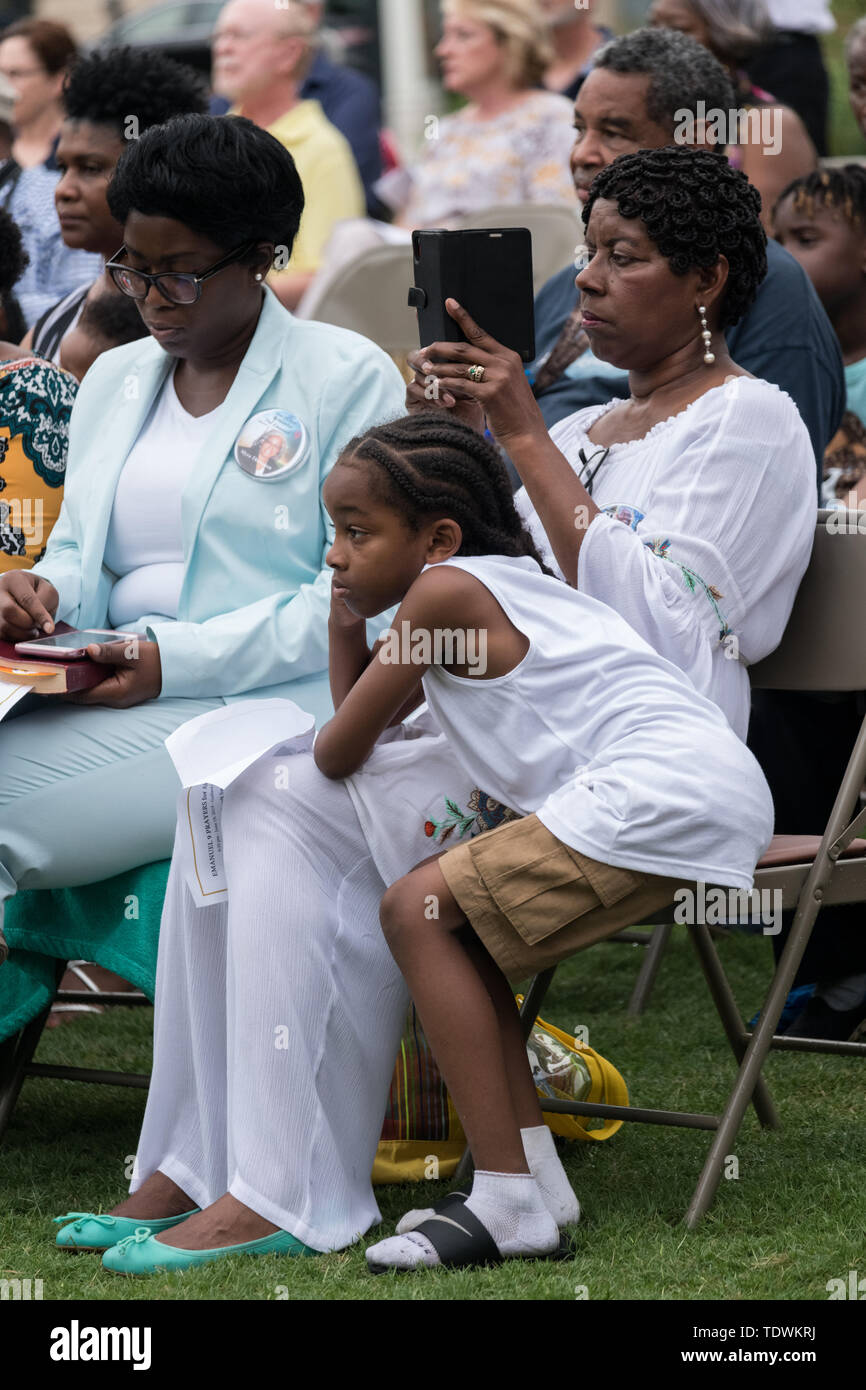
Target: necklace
{"type": "Point", "coordinates": [587, 463]}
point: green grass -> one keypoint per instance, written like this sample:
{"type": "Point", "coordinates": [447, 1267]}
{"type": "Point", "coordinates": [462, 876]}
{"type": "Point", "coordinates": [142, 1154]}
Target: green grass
{"type": "Point", "coordinates": [792, 1220]}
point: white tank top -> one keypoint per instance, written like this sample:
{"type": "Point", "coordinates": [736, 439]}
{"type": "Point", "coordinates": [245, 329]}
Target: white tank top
{"type": "Point", "coordinates": [607, 741]}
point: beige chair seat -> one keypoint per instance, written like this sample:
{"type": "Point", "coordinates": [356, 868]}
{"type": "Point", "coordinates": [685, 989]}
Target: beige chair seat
{"type": "Point", "coordinates": [802, 849]}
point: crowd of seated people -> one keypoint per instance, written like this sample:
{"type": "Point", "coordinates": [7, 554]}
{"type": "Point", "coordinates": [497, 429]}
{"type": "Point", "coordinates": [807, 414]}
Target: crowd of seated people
{"type": "Point", "coordinates": [261, 499]}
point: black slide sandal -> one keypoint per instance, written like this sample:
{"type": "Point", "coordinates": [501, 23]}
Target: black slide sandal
{"type": "Point", "coordinates": [461, 1241]}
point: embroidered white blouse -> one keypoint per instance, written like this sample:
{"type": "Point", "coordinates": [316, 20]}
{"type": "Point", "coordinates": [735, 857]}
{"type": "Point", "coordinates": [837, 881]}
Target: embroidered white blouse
{"type": "Point", "coordinates": [708, 528]}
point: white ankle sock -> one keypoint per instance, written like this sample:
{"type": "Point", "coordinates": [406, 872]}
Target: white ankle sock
{"type": "Point", "coordinates": [508, 1205]}
{"type": "Point", "coordinates": [545, 1166]}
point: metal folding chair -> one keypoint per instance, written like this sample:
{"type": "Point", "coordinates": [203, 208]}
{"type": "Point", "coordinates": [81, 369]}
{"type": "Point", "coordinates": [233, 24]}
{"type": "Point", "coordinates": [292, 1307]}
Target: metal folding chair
{"type": "Point", "coordinates": [60, 911]}
{"type": "Point", "coordinates": [370, 296]}
{"type": "Point", "coordinates": [821, 650]}
{"type": "Point", "coordinates": [16, 1053]}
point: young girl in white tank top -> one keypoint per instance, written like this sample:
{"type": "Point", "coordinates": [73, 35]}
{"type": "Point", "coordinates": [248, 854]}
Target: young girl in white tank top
{"type": "Point", "coordinates": [621, 779]}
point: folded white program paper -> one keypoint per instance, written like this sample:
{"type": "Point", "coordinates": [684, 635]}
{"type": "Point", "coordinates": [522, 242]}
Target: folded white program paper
{"type": "Point", "coordinates": [209, 752]}
{"type": "Point", "coordinates": [218, 746]}
{"type": "Point", "coordinates": [199, 845]}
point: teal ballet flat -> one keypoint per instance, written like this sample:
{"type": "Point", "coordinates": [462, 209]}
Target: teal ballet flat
{"type": "Point", "coordinates": [89, 1231]}
{"type": "Point", "coordinates": [141, 1254]}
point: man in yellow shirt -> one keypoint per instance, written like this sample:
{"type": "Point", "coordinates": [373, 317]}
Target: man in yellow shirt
{"type": "Point", "coordinates": [261, 53]}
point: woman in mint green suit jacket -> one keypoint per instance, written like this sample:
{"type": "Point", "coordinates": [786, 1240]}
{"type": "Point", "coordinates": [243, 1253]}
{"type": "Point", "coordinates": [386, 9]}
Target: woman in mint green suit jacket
{"type": "Point", "coordinates": [86, 786]}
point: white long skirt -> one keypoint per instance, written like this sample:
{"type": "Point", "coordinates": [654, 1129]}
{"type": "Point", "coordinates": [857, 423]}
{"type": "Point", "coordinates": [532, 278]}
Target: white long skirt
{"type": "Point", "coordinates": [279, 1011]}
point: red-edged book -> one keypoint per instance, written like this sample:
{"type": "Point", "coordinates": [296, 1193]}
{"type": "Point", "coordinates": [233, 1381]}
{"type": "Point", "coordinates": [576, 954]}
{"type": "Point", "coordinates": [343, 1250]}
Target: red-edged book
{"type": "Point", "coordinates": [50, 675]}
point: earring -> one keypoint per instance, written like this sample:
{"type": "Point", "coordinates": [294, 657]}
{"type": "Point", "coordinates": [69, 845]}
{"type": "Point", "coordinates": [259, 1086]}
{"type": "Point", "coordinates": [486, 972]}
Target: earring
{"type": "Point", "coordinates": [709, 357]}
{"type": "Point", "coordinates": [258, 275]}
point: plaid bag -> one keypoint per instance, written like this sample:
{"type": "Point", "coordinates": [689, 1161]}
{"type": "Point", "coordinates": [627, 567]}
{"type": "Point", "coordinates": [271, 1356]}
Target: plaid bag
{"type": "Point", "coordinates": [422, 1136]}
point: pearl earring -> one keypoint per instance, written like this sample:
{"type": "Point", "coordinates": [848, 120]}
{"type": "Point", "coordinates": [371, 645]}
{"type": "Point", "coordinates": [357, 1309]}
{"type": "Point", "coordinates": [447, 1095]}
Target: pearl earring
{"type": "Point", "coordinates": [709, 357]}
{"type": "Point", "coordinates": [258, 275]}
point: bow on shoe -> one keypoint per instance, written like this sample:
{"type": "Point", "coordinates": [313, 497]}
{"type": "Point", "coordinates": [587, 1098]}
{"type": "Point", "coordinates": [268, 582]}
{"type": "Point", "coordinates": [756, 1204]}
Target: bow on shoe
{"type": "Point", "coordinates": [86, 1216]}
{"type": "Point", "coordinates": [142, 1234]}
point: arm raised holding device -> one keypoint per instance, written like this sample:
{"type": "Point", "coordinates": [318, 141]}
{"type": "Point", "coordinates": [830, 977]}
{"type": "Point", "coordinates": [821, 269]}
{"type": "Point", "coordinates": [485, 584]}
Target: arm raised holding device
{"type": "Point", "coordinates": [501, 395]}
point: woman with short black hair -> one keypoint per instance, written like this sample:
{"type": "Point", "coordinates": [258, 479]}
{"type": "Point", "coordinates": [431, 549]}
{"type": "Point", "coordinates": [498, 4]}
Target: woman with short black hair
{"type": "Point", "coordinates": [110, 98]}
{"type": "Point", "coordinates": [163, 531]}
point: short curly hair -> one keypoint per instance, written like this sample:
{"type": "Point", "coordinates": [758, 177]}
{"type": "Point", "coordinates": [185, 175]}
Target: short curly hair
{"type": "Point", "coordinates": [222, 176]}
{"type": "Point", "coordinates": [110, 85]}
{"type": "Point", "coordinates": [681, 71]}
{"type": "Point", "coordinates": [14, 260]}
{"type": "Point", "coordinates": [695, 208]}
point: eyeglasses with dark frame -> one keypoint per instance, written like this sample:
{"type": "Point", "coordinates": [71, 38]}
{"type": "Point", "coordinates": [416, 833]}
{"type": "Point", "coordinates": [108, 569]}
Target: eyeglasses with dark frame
{"type": "Point", "coordinates": [178, 287]}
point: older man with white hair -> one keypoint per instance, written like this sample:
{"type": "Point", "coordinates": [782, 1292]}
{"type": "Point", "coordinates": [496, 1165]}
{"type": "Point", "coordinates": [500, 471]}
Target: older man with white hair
{"type": "Point", "coordinates": [262, 53]}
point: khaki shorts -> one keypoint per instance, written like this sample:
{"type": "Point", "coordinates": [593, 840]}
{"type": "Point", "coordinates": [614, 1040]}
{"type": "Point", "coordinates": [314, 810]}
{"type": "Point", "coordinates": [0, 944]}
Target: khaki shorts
{"type": "Point", "coordinates": [533, 901]}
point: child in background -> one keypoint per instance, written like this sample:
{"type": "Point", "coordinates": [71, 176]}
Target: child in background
{"type": "Point", "coordinates": [821, 221]}
{"type": "Point", "coordinates": [625, 779]}
{"type": "Point", "coordinates": [105, 322]}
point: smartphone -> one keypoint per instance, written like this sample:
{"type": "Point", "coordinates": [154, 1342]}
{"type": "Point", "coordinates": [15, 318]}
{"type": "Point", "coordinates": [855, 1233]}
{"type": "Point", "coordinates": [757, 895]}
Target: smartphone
{"type": "Point", "coordinates": [489, 272]}
{"type": "Point", "coordinates": [71, 644]}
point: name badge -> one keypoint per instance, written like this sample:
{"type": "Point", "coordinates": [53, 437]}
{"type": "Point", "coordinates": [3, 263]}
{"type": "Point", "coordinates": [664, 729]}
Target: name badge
{"type": "Point", "coordinates": [629, 516]}
{"type": "Point", "coordinates": [271, 445]}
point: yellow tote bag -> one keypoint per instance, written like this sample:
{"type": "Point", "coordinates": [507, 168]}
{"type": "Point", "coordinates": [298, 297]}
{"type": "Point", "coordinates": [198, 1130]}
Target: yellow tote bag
{"type": "Point", "coordinates": [422, 1137]}
{"type": "Point", "coordinates": [565, 1069]}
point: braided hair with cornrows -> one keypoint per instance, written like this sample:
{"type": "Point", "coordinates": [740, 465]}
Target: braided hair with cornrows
{"type": "Point", "coordinates": [840, 189]}
{"type": "Point", "coordinates": [431, 464]}
{"type": "Point", "coordinates": [695, 208]}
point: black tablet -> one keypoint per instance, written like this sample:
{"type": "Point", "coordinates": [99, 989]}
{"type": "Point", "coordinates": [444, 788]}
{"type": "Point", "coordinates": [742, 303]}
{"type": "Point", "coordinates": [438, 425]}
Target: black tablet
{"type": "Point", "coordinates": [489, 272]}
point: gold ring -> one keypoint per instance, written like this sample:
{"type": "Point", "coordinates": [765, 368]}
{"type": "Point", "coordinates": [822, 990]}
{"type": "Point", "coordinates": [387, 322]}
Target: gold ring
{"type": "Point", "coordinates": [476, 373]}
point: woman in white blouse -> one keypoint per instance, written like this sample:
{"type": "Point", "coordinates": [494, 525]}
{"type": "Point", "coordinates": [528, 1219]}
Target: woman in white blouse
{"type": "Point", "coordinates": [689, 507]}
{"type": "Point", "coordinates": [510, 142]}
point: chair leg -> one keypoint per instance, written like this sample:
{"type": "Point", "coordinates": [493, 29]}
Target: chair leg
{"type": "Point", "coordinates": [652, 959]}
{"type": "Point", "coordinates": [726, 1005]}
{"type": "Point", "coordinates": [534, 998]}
{"type": "Point", "coordinates": [758, 1049]}
{"type": "Point", "coordinates": [15, 1053]}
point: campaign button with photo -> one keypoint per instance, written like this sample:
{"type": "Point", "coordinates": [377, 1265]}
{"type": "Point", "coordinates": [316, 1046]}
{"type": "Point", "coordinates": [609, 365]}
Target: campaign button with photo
{"type": "Point", "coordinates": [271, 445]}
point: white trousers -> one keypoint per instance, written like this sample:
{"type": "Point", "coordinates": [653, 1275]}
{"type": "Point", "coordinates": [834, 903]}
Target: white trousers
{"type": "Point", "coordinates": [278, 1014]}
